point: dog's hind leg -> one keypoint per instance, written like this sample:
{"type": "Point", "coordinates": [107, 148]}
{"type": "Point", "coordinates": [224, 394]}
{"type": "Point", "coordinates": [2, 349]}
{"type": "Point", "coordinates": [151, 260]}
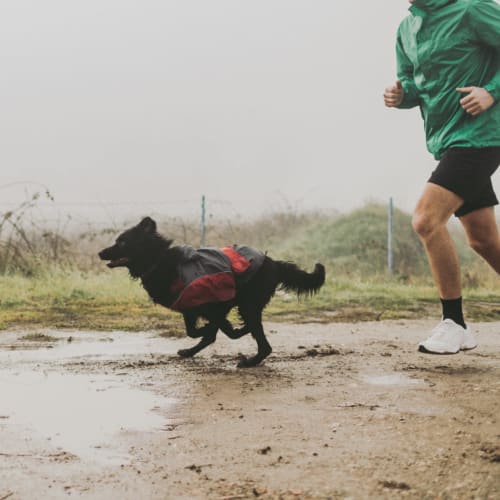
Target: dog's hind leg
{"type": "Point", "coordinates": [254, 324]}
{"type": "Point", "coordinates": [263, 349]}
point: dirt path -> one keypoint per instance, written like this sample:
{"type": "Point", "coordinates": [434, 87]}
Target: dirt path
{"type": "Point", "coordinates": [338, 411]}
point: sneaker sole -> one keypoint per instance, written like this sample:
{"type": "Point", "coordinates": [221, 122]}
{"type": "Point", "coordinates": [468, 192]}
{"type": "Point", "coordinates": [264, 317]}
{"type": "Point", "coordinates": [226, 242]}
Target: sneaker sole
{"type": "Point", "coordinates": [421, 348]}
{"type": "Point", "coordinates": [468, 348]}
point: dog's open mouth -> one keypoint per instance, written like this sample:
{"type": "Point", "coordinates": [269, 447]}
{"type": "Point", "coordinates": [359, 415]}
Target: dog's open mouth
{"type": "Point", "coordinates": [122, 261]}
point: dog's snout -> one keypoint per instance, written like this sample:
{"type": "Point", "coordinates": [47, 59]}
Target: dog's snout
{"type": "Point", "coordinates": [103, 254]}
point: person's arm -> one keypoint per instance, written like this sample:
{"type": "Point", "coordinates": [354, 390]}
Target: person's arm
{"type": "Point", "coordinates": [405, 76]}
{"type": "Point", "coordinates": [484, 17]}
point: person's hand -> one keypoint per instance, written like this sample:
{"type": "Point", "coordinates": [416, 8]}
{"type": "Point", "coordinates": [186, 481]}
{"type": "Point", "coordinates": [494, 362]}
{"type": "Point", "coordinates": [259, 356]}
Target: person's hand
{"type": "Point", "coordinates": [393, 96]}
{"type": "Point", "coordinates": [476, 101]}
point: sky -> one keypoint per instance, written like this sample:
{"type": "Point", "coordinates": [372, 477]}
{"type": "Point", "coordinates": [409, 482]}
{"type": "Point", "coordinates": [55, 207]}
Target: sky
{"type": "Point", "coordinates": [134, 107]}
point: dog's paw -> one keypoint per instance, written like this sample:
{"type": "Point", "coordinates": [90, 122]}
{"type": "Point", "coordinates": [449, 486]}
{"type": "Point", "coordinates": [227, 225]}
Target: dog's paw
{"type": "Point", "coordinates": [185, 353]}
{"type": "Point", "coordinates": [244, 362]}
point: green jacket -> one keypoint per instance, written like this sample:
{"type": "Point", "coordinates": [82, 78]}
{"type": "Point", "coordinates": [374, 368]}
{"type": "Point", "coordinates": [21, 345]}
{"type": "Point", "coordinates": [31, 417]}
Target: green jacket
{"type": "Point", "coordinates": [442, 45]}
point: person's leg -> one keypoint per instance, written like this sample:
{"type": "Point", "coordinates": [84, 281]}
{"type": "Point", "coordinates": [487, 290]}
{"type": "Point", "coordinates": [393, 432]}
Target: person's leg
{"type": "Point", "coordinates": [461, 184]}
{"type": "Point", "coordinates": [434, 209]}
{"type": "Point", "coordinates": [483, 235]}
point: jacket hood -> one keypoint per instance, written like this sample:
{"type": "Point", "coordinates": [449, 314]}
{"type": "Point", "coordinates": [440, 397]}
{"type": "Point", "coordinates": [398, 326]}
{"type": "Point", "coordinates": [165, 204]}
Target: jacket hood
{"type": "Point", "coordinates": [428, 5]}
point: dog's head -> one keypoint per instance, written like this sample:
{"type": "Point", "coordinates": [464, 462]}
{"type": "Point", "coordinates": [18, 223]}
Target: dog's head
{"type": "Point", "coordinates": [136, 248]}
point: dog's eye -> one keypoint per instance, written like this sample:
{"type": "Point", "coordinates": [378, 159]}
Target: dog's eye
{"type": "Point", "coordinates": [120, 243]}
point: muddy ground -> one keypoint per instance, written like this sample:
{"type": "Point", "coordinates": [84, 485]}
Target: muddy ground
{"type": "Point", "coordinates": [337, 411]}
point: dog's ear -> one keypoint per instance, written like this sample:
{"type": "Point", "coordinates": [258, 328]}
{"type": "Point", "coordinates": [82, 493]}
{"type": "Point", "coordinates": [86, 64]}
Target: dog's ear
{"type": "Point", "coordinates": [148, 225]}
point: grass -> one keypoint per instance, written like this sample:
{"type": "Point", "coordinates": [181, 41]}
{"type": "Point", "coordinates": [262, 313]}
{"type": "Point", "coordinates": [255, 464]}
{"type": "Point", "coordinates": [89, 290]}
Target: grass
{"type": "Point", "coordinates": [78, 300]}
{"type": "Point", "coordinates": [54, 280]}
{"type": "Point", "coordinates": [111, 300]}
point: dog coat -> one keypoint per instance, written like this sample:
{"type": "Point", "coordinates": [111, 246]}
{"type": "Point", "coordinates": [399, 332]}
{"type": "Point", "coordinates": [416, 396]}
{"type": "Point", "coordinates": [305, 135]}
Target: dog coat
{"type": "Point", "coordinates": [207, 275]}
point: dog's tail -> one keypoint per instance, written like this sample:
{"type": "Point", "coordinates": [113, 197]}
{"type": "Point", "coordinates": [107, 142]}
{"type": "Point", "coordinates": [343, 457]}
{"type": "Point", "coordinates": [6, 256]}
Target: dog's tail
{"type": "Point", "coordinates": [292, 278]}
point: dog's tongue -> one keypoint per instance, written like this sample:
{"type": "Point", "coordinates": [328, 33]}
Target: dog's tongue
{"type": "Point", "coordinates": [118, 262]}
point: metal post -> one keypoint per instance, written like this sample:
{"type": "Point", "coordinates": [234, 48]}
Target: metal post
{"type": "Point", "coordinates": [203, 227]}
{"type": "Point", "coordinates": [390, 257]}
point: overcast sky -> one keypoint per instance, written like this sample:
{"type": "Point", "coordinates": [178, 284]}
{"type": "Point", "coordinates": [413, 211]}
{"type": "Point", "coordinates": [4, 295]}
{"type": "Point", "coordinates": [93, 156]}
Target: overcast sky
{"type": "Point", "coordinates": [143, 106]}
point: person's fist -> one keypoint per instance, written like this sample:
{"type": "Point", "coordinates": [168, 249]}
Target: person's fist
{"type": "Point", "coordinates": [476, 101]}
{"type": "Point", "coordinates": [393, 96]}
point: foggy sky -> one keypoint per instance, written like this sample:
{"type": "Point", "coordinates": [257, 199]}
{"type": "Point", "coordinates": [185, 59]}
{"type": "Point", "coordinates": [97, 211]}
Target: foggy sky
{"type": "Point", "coordinates": [143, 106]}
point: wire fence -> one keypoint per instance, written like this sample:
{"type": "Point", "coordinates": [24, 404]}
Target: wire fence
{"type": "Point", "coordinates": [39, 228]}
{"type": "Point", "coordinates": [374, 239]}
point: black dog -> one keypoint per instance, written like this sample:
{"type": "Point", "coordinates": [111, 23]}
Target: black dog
{"type": "Point", "coordinates": [207, 283]}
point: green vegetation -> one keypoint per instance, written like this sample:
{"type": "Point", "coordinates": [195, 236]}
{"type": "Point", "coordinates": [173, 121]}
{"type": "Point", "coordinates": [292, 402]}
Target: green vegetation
{"type": "Point", "coordinates": [67, 287]}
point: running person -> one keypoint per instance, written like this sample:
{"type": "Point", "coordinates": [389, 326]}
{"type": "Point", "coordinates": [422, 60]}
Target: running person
{"type": "Point", "coordinates": [448, 61]}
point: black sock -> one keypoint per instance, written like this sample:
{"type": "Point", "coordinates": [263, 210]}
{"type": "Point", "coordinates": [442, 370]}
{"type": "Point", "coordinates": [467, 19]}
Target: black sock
{"type": "Point", "coordinates": [452, 309]}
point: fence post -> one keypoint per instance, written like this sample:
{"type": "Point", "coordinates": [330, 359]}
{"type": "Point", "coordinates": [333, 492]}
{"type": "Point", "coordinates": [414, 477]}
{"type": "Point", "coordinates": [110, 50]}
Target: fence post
{"type": "Point", "coordinates": [203, 226]}
{"type": "Point", "coordinates": [390, 256]}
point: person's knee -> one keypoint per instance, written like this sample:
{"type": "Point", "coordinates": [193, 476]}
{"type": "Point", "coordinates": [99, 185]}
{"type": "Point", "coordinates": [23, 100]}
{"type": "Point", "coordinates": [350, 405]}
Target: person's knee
{"type": "Point", "coordinates": [423, 224]}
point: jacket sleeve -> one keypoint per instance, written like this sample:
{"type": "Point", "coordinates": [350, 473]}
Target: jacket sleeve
{"type": "Point", "coordinates": [484, 17]}
{"type": "Point", "coordinates": [405, 75]}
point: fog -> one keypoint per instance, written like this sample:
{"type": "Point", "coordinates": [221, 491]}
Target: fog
{"type": "Point", "coordinates": [124, 107]}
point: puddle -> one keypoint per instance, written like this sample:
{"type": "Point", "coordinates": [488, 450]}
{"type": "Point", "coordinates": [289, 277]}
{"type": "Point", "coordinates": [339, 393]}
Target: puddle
{"type": "Point", "coordinates": [87, 415]}
{"type": "Point", "coordinates": [84, 415]}
{"type": "Point", "coordinates": [394, 379]}
{"type": "Point", "coordinates": [90, 346]}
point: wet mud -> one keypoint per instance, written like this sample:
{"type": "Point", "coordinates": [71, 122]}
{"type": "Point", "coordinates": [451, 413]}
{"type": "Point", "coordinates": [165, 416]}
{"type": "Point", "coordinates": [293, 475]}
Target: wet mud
{"type": "Point", "coordinates": [337, 411]}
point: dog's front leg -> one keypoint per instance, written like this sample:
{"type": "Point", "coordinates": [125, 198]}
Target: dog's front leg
{"type": "Point", "coordinates": [204, 342]}
{"type": "Point", "coordinates": [207, 333]}
{"type": "Point", "coordinates": [233, 333]}
{"type": "Point", "coordinates": [190, 320]}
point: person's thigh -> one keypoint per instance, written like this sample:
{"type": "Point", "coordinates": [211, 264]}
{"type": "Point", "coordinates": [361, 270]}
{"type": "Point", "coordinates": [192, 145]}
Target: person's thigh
{"type": "Point", "coordinates": [480, 225]}
{"type": "Point", "coordinates": [436, 205]}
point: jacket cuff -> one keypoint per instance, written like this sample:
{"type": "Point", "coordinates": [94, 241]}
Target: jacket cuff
{"type": "Point", "coordinates": [494, 90]}
{"type": "Point", "coordinates": [410, 96]}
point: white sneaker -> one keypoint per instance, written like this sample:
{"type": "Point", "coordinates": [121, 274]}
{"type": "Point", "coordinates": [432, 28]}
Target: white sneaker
{"type": "Point", "coordinates": [469, 340]}
{"type": "Point", "coordinates": [448, 338]}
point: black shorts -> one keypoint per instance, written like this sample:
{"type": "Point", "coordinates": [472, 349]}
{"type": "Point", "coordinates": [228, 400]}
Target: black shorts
{"type": "Point", "coordinates": [467, 173]}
